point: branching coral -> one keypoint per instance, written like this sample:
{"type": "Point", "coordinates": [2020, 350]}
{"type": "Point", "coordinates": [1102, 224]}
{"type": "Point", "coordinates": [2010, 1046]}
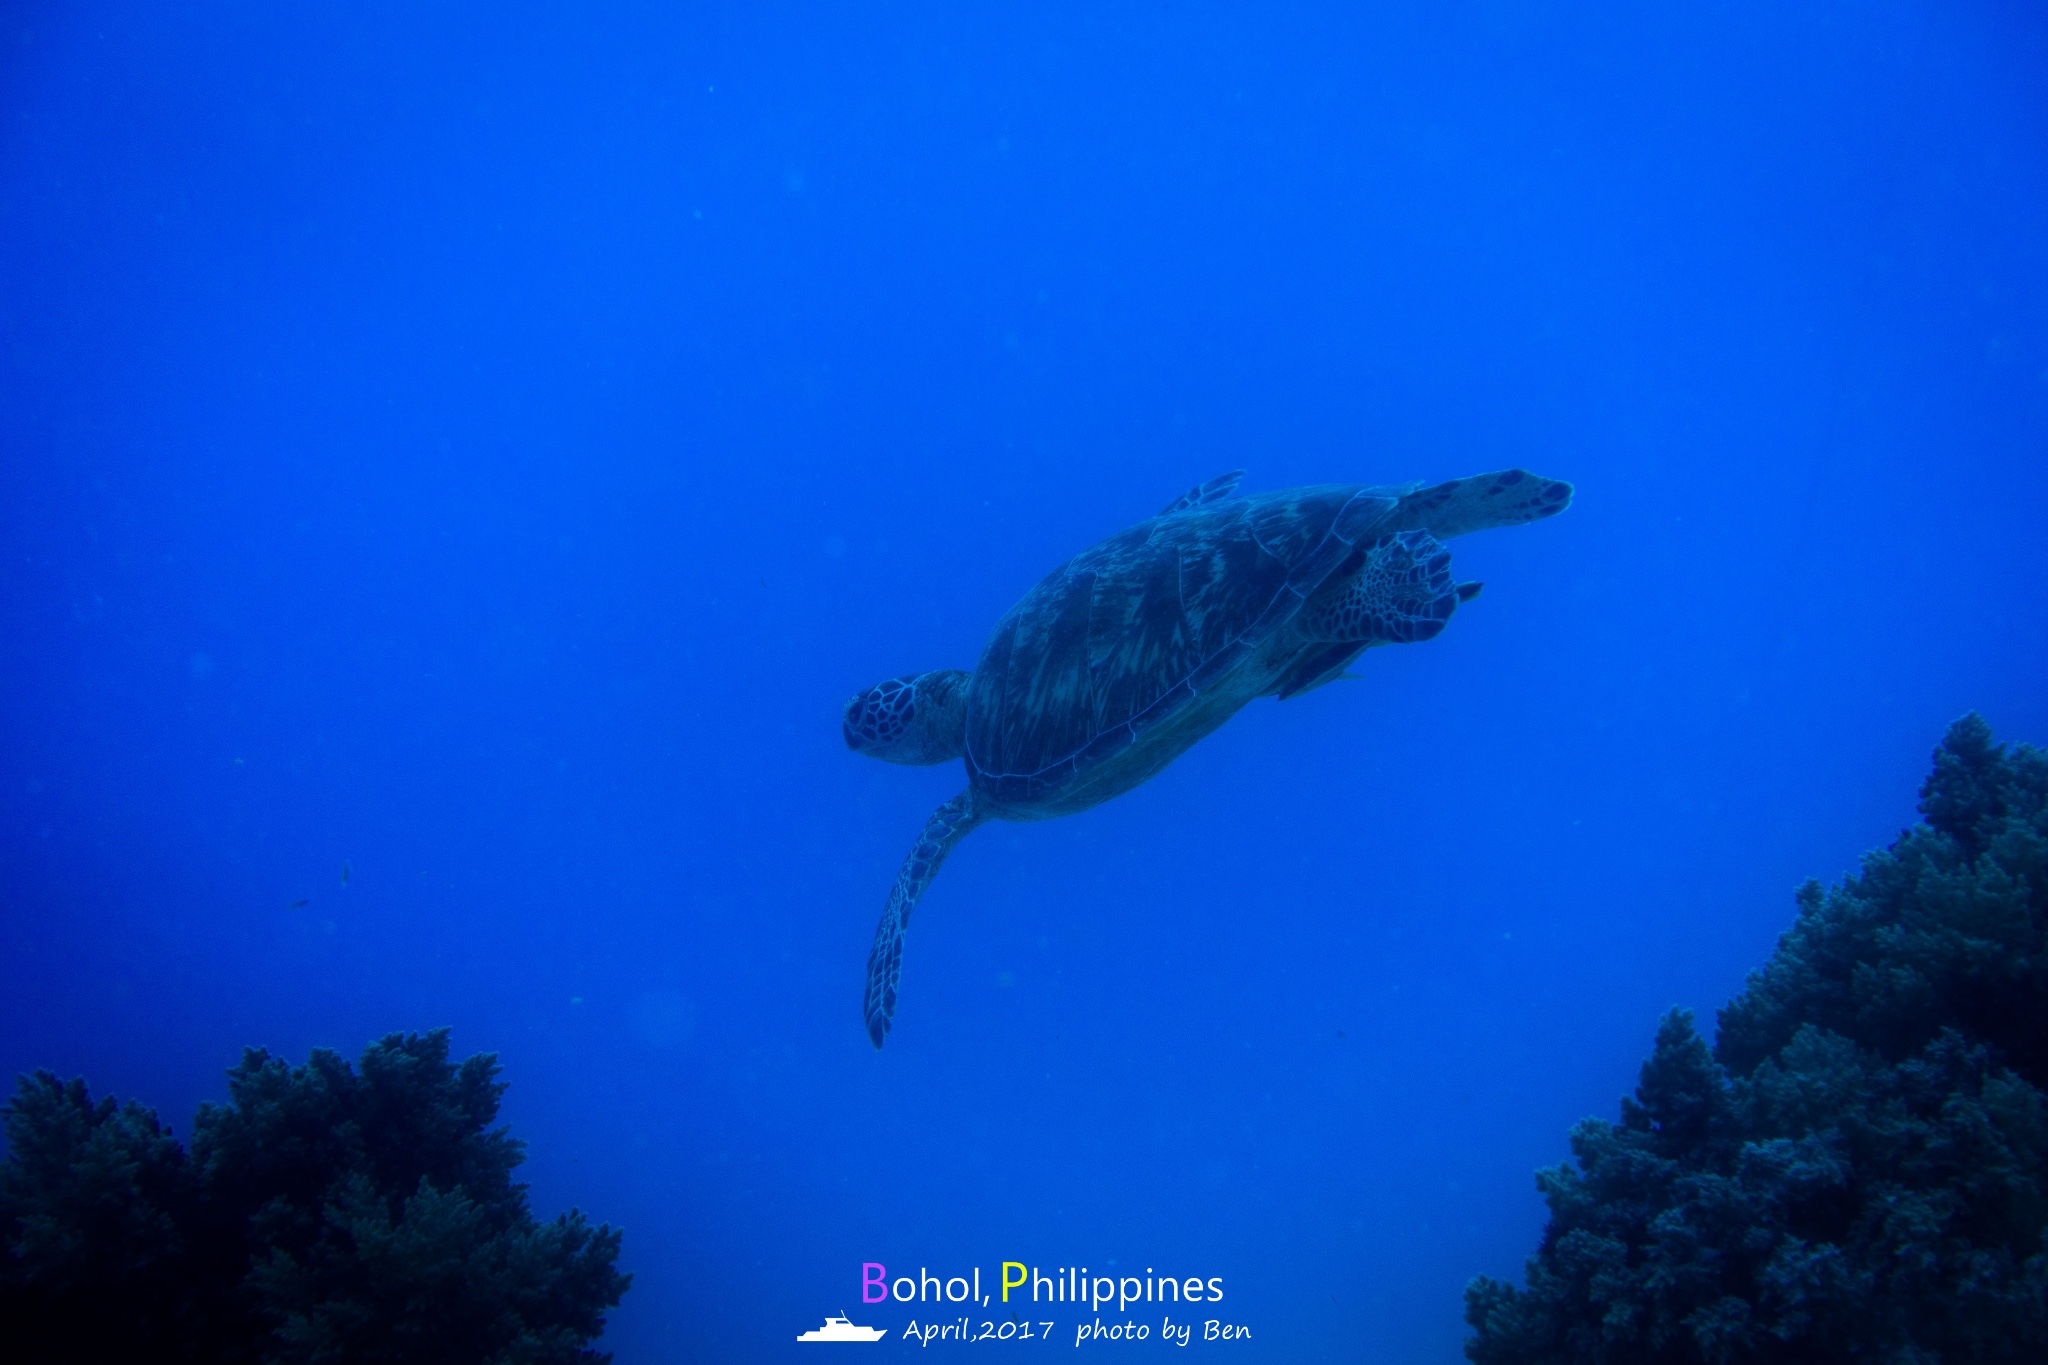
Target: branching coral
{"type": "Point", "coordinates": [1859, 1170]}
{"type": "Point", "coordinates": [325, 1213]}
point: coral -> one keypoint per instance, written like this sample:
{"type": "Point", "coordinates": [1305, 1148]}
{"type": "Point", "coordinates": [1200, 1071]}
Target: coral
{"type": "Point", "coordinates": [1859, 1170]}
{"type": "Point", "coordinates": [326, 1213]}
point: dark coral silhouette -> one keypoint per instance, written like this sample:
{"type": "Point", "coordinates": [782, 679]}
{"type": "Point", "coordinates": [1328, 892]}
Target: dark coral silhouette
{"type": "Point", "coordinates": [1859, 1169]}
{"type": "Point", "coordinates": [326, 1213]}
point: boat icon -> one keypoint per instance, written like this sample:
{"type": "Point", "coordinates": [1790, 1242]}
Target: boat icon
{"type": "Point", "coordinates": [840, 1329]}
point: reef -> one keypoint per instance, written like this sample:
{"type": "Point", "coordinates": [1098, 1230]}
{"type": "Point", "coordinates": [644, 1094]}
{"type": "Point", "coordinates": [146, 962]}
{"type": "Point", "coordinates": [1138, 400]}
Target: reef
{"type": "Point", "coordinates": [325, 1213]}
{"type": "Point", "coordinates": [1858, 1170]}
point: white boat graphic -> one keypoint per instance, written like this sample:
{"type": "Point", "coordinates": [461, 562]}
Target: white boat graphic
{"type": "Point", "coordinates": [840, 1329]}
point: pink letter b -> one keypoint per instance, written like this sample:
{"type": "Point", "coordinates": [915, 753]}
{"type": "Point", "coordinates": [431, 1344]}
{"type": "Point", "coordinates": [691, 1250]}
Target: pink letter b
{"type": "Point", "coordinates": [872, 1279]}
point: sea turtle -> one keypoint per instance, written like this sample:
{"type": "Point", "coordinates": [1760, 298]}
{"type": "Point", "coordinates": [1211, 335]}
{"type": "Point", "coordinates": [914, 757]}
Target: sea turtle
{"type": "Point", "coordinates": [1131, 651]}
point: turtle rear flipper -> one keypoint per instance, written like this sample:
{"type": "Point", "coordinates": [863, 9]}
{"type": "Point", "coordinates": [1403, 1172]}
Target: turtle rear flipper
{"type": "Point", "coordinates": [1511, 497]}
{"type": "Point", "coordinates": [1401, 594]}
{"type": "Point", "coordinates": [1325, 663]}
{"type": "Point", "coordinates": [948, 826]}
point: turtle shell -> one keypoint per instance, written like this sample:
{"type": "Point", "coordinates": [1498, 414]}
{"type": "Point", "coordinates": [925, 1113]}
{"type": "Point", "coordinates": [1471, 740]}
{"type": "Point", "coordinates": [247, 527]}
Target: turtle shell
{"type": "Point", "coordinates": [1123, 636]}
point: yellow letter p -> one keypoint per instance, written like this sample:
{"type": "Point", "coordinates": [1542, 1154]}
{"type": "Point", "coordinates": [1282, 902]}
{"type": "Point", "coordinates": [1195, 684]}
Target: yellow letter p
{"type": "Point", "coordinates": [1008, 1283]}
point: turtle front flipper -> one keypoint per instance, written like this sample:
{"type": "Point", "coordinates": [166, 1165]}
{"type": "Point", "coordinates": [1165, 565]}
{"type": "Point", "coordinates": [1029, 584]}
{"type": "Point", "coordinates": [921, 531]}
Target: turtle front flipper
{"type": "Point", "coordinates": [1399, 593]}
{"type": "Point", "coordinates": [948, 826]}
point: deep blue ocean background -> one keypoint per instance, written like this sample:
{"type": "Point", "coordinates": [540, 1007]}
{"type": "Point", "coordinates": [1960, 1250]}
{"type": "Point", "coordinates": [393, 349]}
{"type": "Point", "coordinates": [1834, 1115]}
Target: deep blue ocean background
{"type": "Point", "coordinates": [481, 446]}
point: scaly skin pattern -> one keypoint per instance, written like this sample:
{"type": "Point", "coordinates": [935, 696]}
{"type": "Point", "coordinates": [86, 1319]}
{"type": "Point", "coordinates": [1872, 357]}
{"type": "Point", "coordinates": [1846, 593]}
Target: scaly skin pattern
{"type": "Point", "coordinates": [918, 720]}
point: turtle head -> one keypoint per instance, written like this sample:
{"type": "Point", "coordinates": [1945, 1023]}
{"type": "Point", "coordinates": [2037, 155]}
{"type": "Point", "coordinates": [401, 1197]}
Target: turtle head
{"type": "Point", "coordinates": [911, 720]}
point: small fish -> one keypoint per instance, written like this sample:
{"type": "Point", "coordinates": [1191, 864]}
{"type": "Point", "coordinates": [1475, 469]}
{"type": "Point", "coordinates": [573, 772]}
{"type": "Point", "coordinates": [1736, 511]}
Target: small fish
{"type": "Point", "coordinates": [300, 904]}
{"type": "Point", "coordinates": [344, 872]}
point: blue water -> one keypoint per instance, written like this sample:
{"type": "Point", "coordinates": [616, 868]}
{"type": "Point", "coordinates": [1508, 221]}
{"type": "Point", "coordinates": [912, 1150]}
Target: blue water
{"type": "Point", "coordinates": [480, 447]}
